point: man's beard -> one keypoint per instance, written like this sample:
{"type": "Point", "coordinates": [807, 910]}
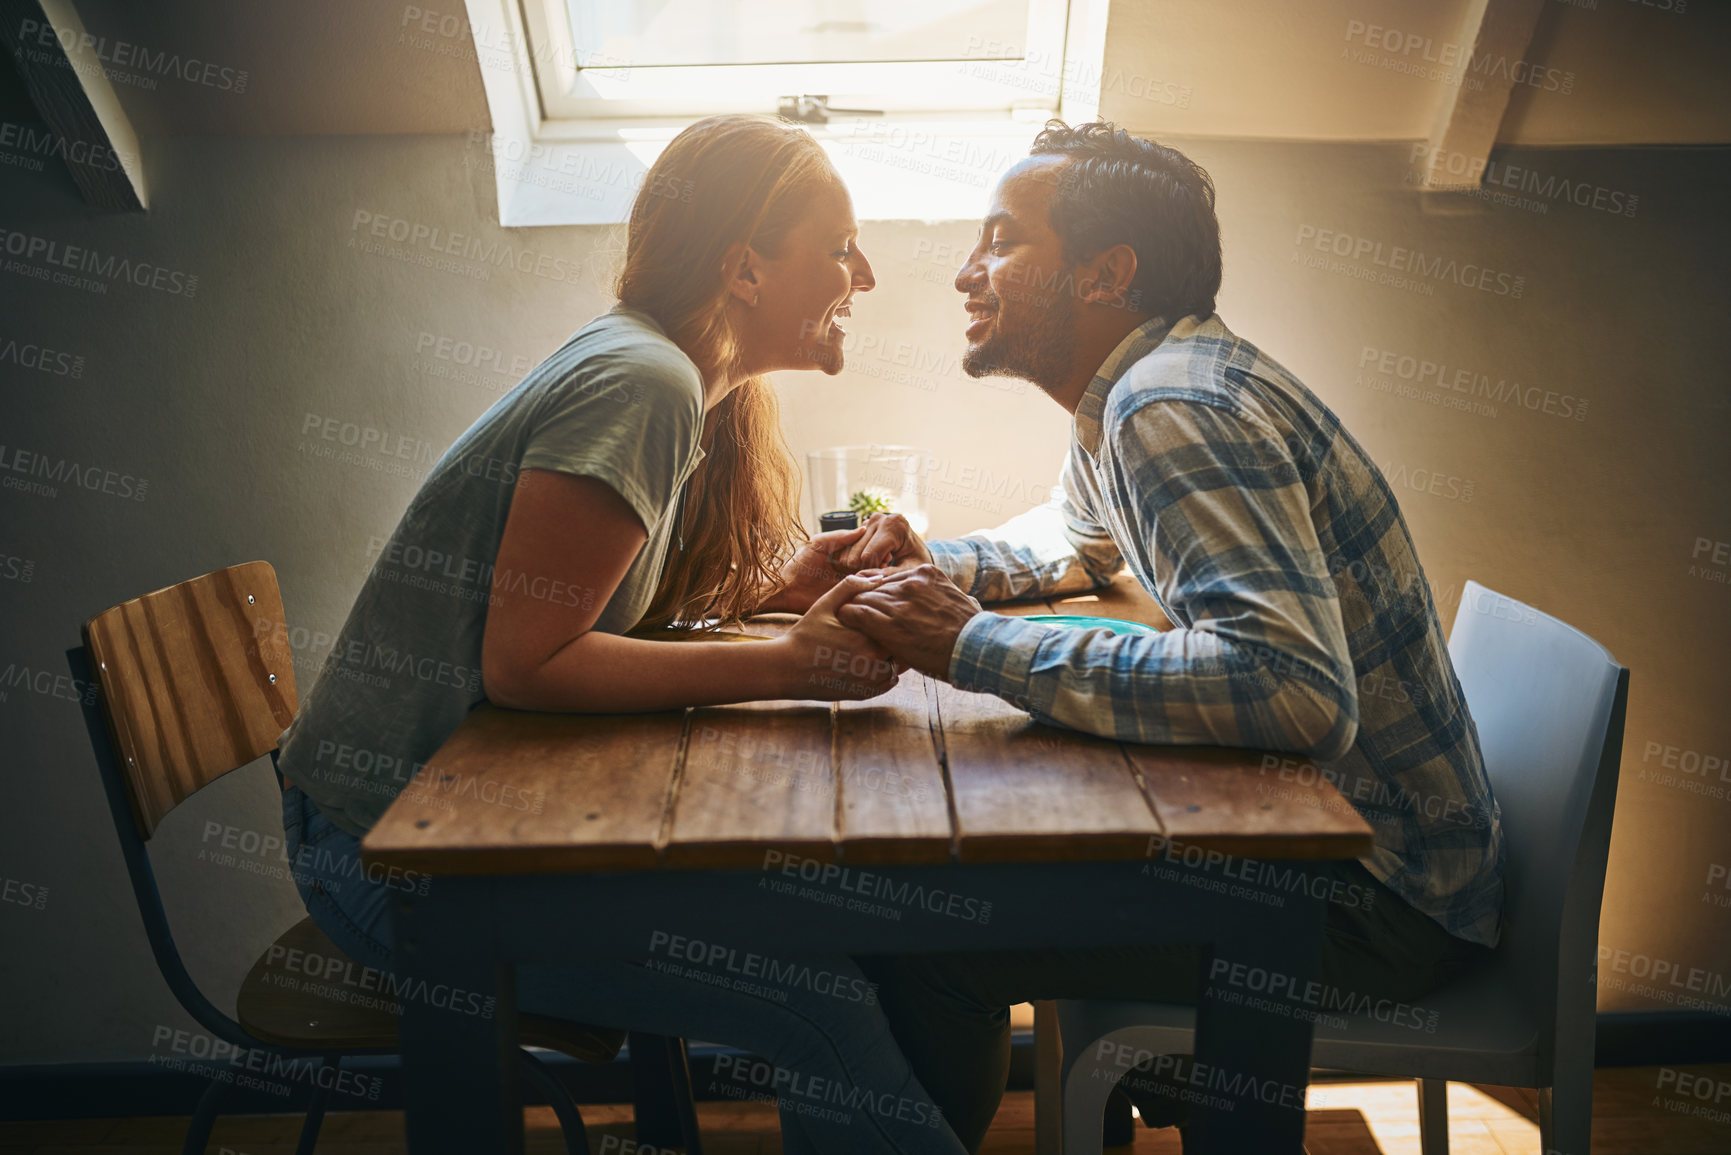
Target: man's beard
{"type": "Point", "coordinates": [1036, 342]}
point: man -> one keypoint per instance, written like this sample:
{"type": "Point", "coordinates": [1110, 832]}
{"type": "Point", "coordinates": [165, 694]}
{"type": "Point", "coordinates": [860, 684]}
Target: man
{"type": "Point", "coordinates": [1303, 622]}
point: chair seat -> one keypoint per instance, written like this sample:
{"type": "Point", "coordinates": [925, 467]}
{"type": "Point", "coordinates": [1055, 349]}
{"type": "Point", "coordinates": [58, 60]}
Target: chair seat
{"type": "Point", "coordinates": [304, 992]}
{"type": "Point", "coordinates": [1485, 1032]}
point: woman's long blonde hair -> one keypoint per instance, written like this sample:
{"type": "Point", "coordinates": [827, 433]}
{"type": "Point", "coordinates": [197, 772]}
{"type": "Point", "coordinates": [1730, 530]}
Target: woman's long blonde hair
{"type": "Point", "coordinates": [723, 181]}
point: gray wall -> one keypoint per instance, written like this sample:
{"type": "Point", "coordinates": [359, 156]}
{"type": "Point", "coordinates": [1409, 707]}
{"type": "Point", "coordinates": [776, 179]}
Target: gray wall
{"type": "Point", "coordinates": [219, 400]}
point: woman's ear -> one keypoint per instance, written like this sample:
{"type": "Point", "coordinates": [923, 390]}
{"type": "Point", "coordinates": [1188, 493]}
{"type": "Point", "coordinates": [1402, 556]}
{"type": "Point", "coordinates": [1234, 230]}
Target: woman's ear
{"type": "Point", "coordinates": [740, 268]}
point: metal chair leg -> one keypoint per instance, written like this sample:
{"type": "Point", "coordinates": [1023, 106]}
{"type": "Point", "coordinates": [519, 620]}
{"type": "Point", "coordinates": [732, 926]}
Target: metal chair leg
{"type": "Point", "coordinates": [1566, 1106]}
{"type": "Point", "coordinates": [1566, 1114]}
{"type": "Point", "coordinates": [1433, 1116]}
{"type": "Point", "coordinates": [679, 1076]}
{"type": "Point", "coordinates": [204, 1118]}
{"type": "Point", "coordinates": [656, 1091]}
{"type": "Point", "coordinates": [570, 1119]}
{"type": "Point", "coordinates": [315, 1117]}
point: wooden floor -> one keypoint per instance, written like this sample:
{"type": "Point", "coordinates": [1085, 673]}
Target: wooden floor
{"type": "Point", "coordinates": [1632, 1115]}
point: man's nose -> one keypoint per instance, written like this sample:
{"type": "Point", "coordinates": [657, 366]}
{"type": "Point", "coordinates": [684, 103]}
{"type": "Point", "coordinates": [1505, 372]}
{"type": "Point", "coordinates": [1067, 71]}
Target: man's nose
{"type": "Point", "coordinates": [971, 275]}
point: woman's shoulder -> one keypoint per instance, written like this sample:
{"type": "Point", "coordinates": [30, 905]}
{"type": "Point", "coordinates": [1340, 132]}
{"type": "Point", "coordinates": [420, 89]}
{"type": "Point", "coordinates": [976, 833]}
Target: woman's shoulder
{"type": "Point", "coordinates": [629, 341]}
{"type": "Point", "coordinates": [618, 372]}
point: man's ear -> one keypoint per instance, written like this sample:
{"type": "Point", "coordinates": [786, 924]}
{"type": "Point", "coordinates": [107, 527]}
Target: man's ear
{"type": "Point", "coordinates": [739, 271]}
{"type": "Point", "coordinates": [1108, 277]}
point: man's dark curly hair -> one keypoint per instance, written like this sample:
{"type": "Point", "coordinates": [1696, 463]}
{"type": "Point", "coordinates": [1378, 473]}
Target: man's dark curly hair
{"type": "Point", "coordinates": [1120, 188]}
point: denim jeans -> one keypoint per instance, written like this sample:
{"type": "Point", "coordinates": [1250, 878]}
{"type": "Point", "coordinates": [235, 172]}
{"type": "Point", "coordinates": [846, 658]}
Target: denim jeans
{"type": "Point", "coordinates": [828, 1059]}
{"type": "Point", "coordinates": [951, 1011]}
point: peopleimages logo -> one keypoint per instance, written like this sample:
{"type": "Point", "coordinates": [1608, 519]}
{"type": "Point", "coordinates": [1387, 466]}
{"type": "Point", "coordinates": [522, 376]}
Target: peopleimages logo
{"type": "Point", "coordinates": [41, 358]}
{"type": "Point", "coordinates": [1422, 372]}
{"type": "Point", "coordinates": [78, 259]}
{"type": "Point", "coordinates": [731, 967]}
{"type": "Point", "coordinates": [440, 242]}
{"type": "Point", "coordinates": [44, 141]}
{"type": "Point", "coordinates": [1399, 259]}
{"type": "Point", "coordinates": [42, 469]}
{"type": "Point", "coordinates": [1490, 175]}
{"type": "Point", "coordinates": [1449, 61]}
{"type": "Point", "coordinates": [123, 61]}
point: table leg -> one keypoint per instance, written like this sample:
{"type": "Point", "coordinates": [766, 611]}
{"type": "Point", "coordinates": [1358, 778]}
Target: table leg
{"type": "Point", "coordinates": [1048, 1086]}
{"type": "Point", "coordinates": [1252, 1035]}
{"type": "Point", "coordinates": [458, 1027]}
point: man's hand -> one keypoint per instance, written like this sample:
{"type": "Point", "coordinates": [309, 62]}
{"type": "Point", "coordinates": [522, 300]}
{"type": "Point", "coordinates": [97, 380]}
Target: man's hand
{"type": "Point", "coordinates": [811, 571]}
{"type": "Point", "coordinates": [915, 614]}
{"type": "Point", "coordinates": [888, 540]}
{"type": "Point", "coordinates": [822, 658]}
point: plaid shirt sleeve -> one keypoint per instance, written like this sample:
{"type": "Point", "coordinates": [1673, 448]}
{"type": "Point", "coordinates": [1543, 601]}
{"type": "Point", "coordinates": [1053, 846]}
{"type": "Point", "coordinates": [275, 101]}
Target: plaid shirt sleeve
{"type": "Point", "coordinates": [1056, 548]}
{"type": "Point", "coordinates": [1260, 657]}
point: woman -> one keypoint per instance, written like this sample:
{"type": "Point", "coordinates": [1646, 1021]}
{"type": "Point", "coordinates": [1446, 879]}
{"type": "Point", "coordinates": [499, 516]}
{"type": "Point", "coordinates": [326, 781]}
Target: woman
{"type": "Point", "coordinates": [636, 479]}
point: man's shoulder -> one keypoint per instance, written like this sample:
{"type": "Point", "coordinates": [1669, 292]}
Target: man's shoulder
{"type": "Point", "coordinates": [1194, 362]}
{"type": "Point", "coordinates": [1203, 362]}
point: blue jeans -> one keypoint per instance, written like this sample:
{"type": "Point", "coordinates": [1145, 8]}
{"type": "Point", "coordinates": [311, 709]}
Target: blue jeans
{"type": "Point", "coordinates": [831, 1064]}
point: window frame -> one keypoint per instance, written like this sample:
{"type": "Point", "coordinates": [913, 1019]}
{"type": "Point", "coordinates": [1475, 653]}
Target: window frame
{"type": "Point", "coordinates": [987, 85]}
{"type": "Point", "coordinates": [553, 171]}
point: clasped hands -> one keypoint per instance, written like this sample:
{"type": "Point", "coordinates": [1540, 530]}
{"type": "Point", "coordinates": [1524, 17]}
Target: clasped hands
{"type": "Point", "coordinates": [878, 583]}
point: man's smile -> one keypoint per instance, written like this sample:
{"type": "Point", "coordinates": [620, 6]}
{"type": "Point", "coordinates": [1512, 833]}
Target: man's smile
{"type": "Point", "coordinates": [982, 315]}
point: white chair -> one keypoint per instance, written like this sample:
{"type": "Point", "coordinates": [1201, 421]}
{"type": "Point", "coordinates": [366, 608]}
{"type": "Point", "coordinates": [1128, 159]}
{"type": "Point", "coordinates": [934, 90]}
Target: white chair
{"type": "Point", "coordinates": [1549, 703]}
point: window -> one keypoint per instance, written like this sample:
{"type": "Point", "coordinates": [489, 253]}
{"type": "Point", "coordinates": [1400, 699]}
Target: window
{"type": "Point", "coordinates": [921, 103]}
{"type": "Point", "coordinates": [601, 59]}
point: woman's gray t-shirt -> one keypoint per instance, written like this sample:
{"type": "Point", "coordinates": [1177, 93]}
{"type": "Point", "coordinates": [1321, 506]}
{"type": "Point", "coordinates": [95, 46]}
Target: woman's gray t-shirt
{"type": "Point", "coordinates": [619, 402]}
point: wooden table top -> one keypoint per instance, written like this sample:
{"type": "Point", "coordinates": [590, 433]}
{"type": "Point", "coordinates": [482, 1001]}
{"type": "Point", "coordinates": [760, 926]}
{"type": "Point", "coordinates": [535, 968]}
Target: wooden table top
{"type": "Point", "coordinates": [924, 774]}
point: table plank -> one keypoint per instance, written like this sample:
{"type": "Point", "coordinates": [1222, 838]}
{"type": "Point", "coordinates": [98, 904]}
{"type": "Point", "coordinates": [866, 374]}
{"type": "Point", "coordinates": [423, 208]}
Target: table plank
{"type": "Point", "coordinates": [1026, 792]}
{"type": "Point", "coordinates": [1022, 608]}
{"type": "Point", "coordinates": [561, 791]}
{"type": "Point", "coordinates": [754, 777]}
{"type": "Point", "coordinates": [891, 802]}
{"type": "Point", "coordinates": [1123, 598]}
{"type": "Point", "coordinates": [1223, 799]}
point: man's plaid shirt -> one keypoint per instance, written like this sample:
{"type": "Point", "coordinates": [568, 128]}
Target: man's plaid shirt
{"type": "Point", "coordinates": [1303, 620]}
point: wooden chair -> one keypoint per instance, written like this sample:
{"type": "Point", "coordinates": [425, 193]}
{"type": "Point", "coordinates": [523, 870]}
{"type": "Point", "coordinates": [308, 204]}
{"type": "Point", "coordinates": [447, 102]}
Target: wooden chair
{"type": "Point", "coordinates": [194, 681]}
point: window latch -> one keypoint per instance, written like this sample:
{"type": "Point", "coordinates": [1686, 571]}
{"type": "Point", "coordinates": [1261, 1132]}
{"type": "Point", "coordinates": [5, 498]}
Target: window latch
{"type": "Point", "coordinates": [809, 109]}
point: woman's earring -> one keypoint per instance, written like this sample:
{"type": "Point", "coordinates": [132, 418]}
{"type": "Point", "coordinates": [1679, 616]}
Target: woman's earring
{"type": "Point", "coordinates": [754, 297]}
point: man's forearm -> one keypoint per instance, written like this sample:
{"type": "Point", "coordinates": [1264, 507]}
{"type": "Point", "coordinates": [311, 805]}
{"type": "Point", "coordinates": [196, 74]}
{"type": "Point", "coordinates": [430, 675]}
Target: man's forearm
{"type": "Point", "coordinates": [996, 568]}
{"type": "Point", "coordinates": [1182, 687]}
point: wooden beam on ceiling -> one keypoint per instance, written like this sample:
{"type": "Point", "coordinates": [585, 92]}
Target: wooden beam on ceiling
{"type": "Point", "coordinates": [1471, 111]}
{"type": "Point", "coordinates": [73, 96]}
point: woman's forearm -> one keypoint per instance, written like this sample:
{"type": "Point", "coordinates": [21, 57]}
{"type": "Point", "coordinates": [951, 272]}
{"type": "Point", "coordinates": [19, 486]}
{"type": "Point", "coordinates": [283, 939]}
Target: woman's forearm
{"type": "Point", "coordinates": [599, 673]}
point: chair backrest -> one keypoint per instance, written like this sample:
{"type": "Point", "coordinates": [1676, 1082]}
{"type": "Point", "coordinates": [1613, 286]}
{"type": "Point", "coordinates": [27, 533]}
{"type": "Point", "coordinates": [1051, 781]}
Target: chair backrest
{"type": "Point", "coordinates": [1548, 702]}
{"type": "Point", "coordinates": [195, 680]}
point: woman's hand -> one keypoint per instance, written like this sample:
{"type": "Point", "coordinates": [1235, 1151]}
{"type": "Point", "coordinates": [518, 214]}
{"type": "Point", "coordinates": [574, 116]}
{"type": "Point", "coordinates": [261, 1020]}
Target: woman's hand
{"type": "Point", "coordinates": [916, 614]}
{"type": "Point", "coordinates": [887, 542]}
{"type": "Point", "coordinates": [821, 658]}
{"type": "Point", "coordinates": [810, 572]}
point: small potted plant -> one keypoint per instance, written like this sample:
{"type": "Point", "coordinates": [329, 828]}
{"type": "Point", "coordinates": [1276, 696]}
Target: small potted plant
{"type": "Point", "coordinates": [866, 502]}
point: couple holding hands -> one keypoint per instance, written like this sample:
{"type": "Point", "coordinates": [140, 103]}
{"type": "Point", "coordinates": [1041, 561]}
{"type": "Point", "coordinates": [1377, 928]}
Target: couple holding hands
{"type": "Point", "coordinates": [642, 466]}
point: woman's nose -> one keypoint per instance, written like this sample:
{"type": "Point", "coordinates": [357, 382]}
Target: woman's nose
{"type": "Point", "coordinates": [863, 279]}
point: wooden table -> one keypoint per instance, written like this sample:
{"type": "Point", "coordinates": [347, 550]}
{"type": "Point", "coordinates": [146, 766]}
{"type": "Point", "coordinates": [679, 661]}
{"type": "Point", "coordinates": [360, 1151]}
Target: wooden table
{"type": "Point", "coordinates": [539, 828]}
